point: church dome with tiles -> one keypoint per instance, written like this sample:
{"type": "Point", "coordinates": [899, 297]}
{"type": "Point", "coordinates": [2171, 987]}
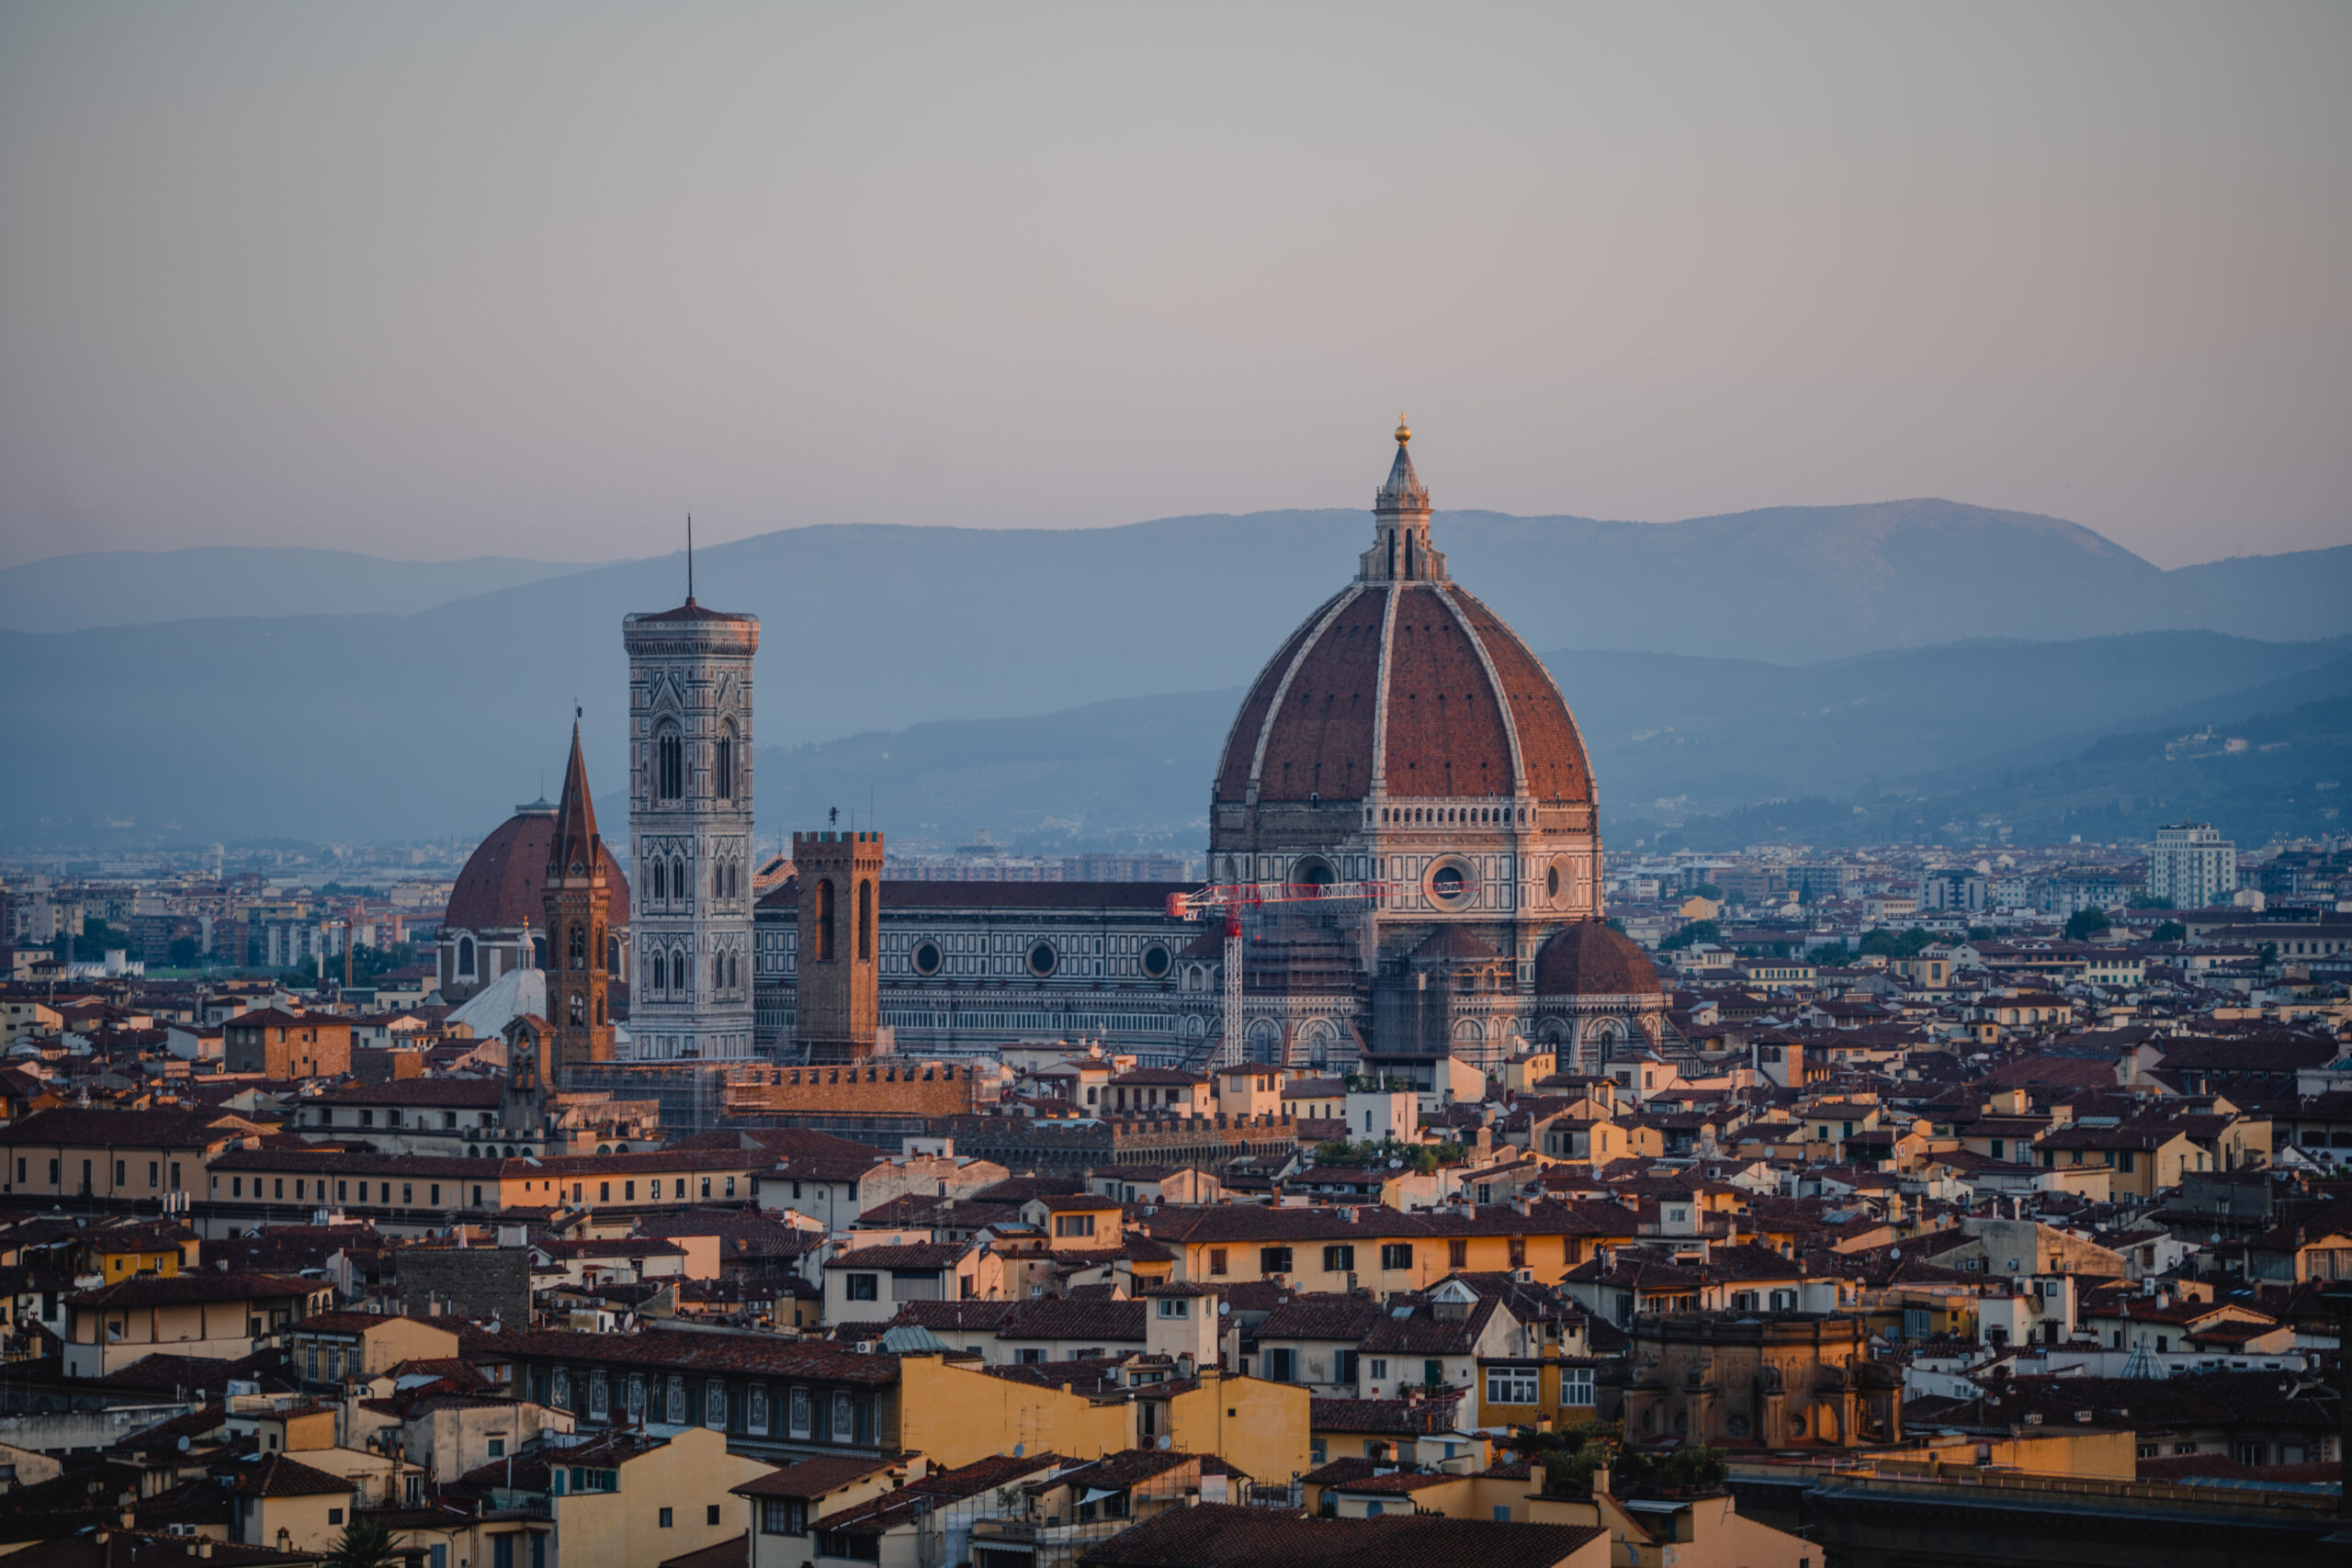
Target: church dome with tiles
{"type": "Point", "coordinates": [1406, 749]}
{"type": "Point", "coordinates": [1404, 685]}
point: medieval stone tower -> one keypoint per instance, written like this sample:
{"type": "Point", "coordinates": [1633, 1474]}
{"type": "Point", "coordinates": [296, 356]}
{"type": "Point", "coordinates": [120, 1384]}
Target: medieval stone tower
{"type": "Point", "coordinates": [577, 907]}
{"type": "Point", "coordinates": [690, 830]}
{"type": "Point", "coordinates": [839, 994]}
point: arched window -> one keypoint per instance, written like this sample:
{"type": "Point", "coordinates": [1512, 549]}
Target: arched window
{"type": "Point", "coordinates": [658, 980]}
{"type": "Point", "coordinates": [465, 956]}
{"type": "Point", "coordinates": [538, 952]}
{"type": "Point", "coordinates": [670, 765]}
{"type": "Point", "coordinates": [578, 947]}
{"type": "Point", "coordinates": [824, 953]}
{"type": "Point", "coordinates": [661, 878]}
{"type": "Point", "coordinates": [600, 1008]}
{"type": "Point", "coordinates": [678, 877]}
{"type": "Point", "coordinates": [866, 922]}
{"type": "Point", "coordinates": [578, 1010]}
{"type": "Point", "coordinates": [722, 767]}
{"type": "Point", "coordinates": [612, 955]}
{"type": "Point", "coordinates": [597, 942]}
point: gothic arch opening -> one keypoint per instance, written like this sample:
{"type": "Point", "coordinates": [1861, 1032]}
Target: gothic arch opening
{"type": "Point", "coordinates": [670, 764]}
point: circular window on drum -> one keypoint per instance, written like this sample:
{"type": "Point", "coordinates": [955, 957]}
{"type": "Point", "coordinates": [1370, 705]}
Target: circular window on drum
{"type": "Point", "coordinates": [1156, 961]}
{"type": "Point", "coordinates": [926, 958]}
{"type": "Point", "coordinates": [1552, 881]}
{"type": "Point", "coordinates": [1452, 885]}
{"type": "Point", "coordinates": [1043, 959]}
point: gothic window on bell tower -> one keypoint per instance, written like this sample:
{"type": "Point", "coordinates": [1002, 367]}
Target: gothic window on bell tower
{"type": "Point", "coordinates": [660, 879]}
{"type": "Point", "coordinates": [670, 754]}
{"type": "Point", "coordinates": [722, 770]}
{"type": "Point", "coordinates": [579, 946]}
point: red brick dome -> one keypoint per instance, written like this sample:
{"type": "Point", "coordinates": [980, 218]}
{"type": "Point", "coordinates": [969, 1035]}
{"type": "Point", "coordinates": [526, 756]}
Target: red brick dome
{"type": "Point", "coordinates": [1592, 958]}
{"type": "Point", "coordinates": [504, 882]}
{"type": "Point", "coordinates": [1468, 710]}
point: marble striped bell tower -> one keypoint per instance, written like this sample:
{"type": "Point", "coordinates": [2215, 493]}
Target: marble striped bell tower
{"type": "Point", "coordinates": [690, 831]}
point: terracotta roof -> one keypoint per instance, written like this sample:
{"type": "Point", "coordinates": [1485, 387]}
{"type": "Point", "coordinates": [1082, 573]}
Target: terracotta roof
{"type": "Point", "coordinates": [916, 1255]}
{"type": "Point", "coordinates": [481, 1094]}
{"type": "Point", "coordinates": [735, 1554]}
{"type": "Point", "coordinates": [169, 1290]}
{"type": "Point", "coordinates": [812, 1477]}
{"type": "Point", "coordinates": [1059, 1317]}
{"type": "Point", "coordinates": [1322, 1316]}
{"type": "Point", "coordinates": [1592, 958]}
{"type": "Point", "coordinates": [900, 898]}
{"type": "Point", "coordinates": [187, 1129]}
{"type": "Point", "coordinates": [1393, 1417]}
{"type": "Point", "coordinates": [762, 1354]}
{"type": "Point", "coordinates": [1308, 724]}
{"type": "Point", "coordinates": [1233, 1536]}
{"type": "Point", "coordinates": [504, 881]}
{"type": "Point", "coordinates": [282, 1475]}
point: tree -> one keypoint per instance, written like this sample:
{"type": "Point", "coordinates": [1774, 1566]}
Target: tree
{"type": "Point", "coordinates": [1709, 892]}
{"type": "Point", "coordinates": [365, 1543]}
{"type": "Point", "coordinates": [2171, 930]}
{"type": "Point", "coordinates": [1980, 933]}
{"type": "Point", "coordinates": [2082, 924]}
{"type": "Point", "coordinates": [1885, 944]}
{"type": "Point", "coordinates": [184, 953]}
{"type": "Point", "coordinates": [1696, 932]}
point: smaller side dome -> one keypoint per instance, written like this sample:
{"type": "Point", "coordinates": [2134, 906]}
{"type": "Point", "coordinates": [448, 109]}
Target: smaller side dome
{"type": "Point", "coordinates": [1592, 958]}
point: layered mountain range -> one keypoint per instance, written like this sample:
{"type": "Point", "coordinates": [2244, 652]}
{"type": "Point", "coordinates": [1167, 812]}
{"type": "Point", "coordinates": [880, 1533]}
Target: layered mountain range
{"type": "Point", "coordinates": [1020, 679]}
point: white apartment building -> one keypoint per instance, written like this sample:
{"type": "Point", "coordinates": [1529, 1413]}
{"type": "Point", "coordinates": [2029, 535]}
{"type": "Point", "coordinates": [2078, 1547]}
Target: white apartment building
{"type": "Point", "coordinates": [2192, 865]}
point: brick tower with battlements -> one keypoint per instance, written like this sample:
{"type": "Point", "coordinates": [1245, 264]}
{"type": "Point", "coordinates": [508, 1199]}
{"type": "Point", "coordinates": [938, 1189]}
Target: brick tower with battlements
{"type": "Point", "coordinates": [839, 1013]}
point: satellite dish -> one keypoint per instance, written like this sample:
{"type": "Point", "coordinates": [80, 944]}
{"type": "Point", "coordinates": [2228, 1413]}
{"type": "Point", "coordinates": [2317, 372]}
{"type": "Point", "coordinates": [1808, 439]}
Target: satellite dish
{"type": "Point", "coordinates": [1223, 1307]}
{"type": "Point", "coordinates": [1895, 1252]}
{"type": "Point", "coordinates": [183, 1445]}
{"type": "Point", "coordinates": [1395, 1165]}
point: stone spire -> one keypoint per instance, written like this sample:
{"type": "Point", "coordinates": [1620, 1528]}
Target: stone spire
{"type": "Point", "coordinates": [574, 849]}
{"type": "Point", "coordinates": [579, 946]}
{"type": "Point", "coordinates": [1401, 551]}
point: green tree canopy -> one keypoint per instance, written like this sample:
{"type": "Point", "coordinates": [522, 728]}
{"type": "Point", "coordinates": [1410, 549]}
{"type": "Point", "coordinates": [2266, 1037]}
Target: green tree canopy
{"type": "Point", "coordinates": [1696, 932]}
{"type": "Point", "coordinates": [2082, 924]}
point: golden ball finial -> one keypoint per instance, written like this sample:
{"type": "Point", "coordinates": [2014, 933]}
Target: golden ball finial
{"type": "Point", "coordinates": [1404, 431]}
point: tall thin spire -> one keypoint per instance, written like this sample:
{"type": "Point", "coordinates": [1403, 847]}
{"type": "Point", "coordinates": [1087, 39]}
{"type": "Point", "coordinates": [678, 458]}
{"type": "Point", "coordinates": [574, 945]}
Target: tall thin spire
{"type": "Point", "coordinates": [690, 557]}
{"type": "Point", "coordinates": [574, 841]}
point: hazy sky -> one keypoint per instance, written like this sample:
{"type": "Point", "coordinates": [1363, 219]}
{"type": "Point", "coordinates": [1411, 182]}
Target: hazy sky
{"type": "Point", "coordinates": [445, 281]}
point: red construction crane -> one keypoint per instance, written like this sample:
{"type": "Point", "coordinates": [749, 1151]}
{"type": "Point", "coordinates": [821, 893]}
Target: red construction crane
{"type": "Point", "coordinates": [1233, 897]}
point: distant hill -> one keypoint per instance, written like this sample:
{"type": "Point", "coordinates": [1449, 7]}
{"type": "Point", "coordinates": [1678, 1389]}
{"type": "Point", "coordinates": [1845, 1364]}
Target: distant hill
{"type": "Point", "coordinates": [2256, 776]}
{"type": "Point", "coordinates": [379, 725]}
{"type": "Point", "coordinates": [121, 588]}
{"type": "Point", "coordinates": [1714, 736]}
